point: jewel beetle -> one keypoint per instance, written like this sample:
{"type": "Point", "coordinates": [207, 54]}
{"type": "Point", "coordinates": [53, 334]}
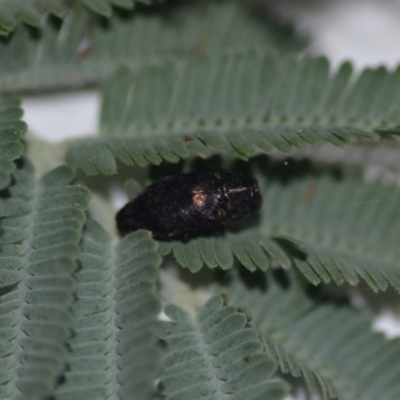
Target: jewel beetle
{"type": "Point", "coordinates": [179, 205]}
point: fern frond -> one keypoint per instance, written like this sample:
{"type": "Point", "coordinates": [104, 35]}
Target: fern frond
{"type": "Point", "coordinates": [41, 230]}
{"type": "Point", "coordinates": [85, 51]}
{"type": "Point", "coordinates": [32, 12]}
{"type": "Point", "coordinates": [236, 102]}
{"type": "Point", "coordinates": [329, 227]}
{"type": "Point", "coordinates": [114, 349]}
{"type": "Point", "coordinates": [217, 356]}
{"type": "Point", "coordinates": [333, 348]}
{"type": "Point", "coordinates": [12, 130]}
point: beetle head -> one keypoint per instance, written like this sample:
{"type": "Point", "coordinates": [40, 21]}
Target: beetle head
{"type": "Point", "coordinates": [242, 194]}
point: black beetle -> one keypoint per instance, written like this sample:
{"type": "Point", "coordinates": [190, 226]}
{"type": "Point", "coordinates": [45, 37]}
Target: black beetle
{"type": "Point", "coordinates": [181, 204]}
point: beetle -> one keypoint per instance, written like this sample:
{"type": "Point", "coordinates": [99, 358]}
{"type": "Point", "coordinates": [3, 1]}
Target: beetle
{"type": "Point", "coordinates": [179, 205]}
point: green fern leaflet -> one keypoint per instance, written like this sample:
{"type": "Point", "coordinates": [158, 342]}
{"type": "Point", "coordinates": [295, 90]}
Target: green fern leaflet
{"type": "Point", "coordinates": [217, 356]}
{"type": "Point", "coordinates": [32, 12]}
{"type": "Point", "coordinates": [238, 103]}
{"type": "Point", "coordinates": [84, 50]}
{"type": "Point", "coordinates": [114, 351]}
{"type": "Point", "coordinates": [333, 348]}
{"type": "Point", "coordinates": [12, 130]}
{"type": "Point", "coordinates": [41, 231]}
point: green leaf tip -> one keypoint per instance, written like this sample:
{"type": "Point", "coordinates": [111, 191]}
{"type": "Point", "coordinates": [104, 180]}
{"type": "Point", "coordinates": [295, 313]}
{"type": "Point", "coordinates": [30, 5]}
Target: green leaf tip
{"type": "Point", "coordinates": [214, 304]}
{"type": "Point", "coordinates": [93, 158]}
{"type": "Point", "coordinates": [59, 176]}
{"type": "Point", "coordinates": [217, 356]}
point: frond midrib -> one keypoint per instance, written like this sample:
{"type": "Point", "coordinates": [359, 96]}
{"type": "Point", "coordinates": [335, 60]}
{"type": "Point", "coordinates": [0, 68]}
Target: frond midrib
{"type": "Point", "coordinates": [23, 287]}
{"type": "Point", "coordinates": [220, 126]}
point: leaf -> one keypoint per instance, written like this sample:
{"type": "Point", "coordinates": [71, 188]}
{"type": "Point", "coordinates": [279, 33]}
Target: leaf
{"type": "Point", "coordinates": [86, 50]}
{"type": "Point", "coordinates": [12, 130]}
{"type": "Point", "coordinates": [217, 356]}
{"type": "Point", "coordinates": [331, 228]}
{"type": "Point", "coordinates": [32, 12]}
{"type": "Point", "coordinates": [332, 347]}
{"type": "Point", "coordinates": [114, 349]}
{"type": "Point", "coordinates": [41, 230]}
{"type": "Point", "coordinates": [235, 102]}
